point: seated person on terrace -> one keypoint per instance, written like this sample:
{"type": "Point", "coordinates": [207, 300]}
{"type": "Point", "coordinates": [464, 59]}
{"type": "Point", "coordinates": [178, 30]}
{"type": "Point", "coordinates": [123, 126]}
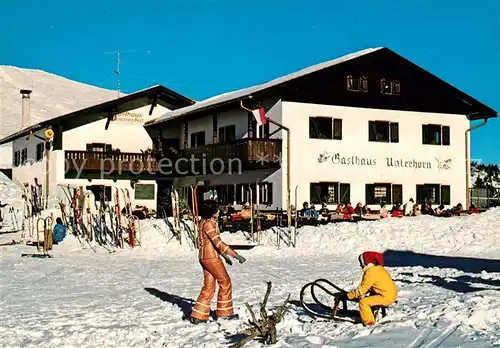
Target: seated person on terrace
{"type": "Point", "coordinates": [439, 210]}
{"type": "Point", "coordinates": [324, 210]}
{"type": "Point", "coordinates": [427, 209]}
{"type": "Point", "coordinates": [246, 212]}
{"type": "Point", "coordinates": [305, 212]}
{"type": "Point", "coordinates": [457, 210]}
{"type": "Point", "coordinates": [416, 210]}
{"type": "Point", "coordinates": [397, 211]}
{"type": "Point", "coordinates": [359, 209]}
{"type": "Point", "coordinates": [473, 209]}
{"type": "Point", "coordinates": [313, 212]}
{"type": "Point", "coordinates": [366, 210]}
{"type": "Point", "coordinates": [383, 210]}
{"type": "Point", "coordinates": [349, 211]}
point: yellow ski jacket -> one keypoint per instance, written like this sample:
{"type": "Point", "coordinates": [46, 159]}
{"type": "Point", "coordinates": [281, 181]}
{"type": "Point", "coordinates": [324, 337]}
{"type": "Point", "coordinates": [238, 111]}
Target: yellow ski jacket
{"type": "Point", "coordinates": [377, 279]}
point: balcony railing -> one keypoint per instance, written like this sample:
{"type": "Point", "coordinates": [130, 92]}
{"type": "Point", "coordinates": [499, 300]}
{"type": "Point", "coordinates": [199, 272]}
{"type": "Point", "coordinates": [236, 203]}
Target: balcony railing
{"type": "Point", "coordinates": [250, 153]}
{"type": "Point", "coordinates": [110, 162]}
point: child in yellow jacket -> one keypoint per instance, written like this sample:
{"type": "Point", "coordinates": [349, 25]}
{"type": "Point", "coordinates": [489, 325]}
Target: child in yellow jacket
{"type": "Point", "coordinates": [378, 281]}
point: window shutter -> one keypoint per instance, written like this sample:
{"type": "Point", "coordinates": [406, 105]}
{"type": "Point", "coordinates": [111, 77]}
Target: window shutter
{"type": "Point", "coordinates": [269, 194]}
{"type": "Point", "coordinates": [397, 87]}
{"type": "Point", "coordinates": [364, 84]}
{"type": "Point", "coordinates": [397, 194]}
{"type": "Point", "coordinates": [337, 128]}
{"type": "Point", "coordinates": [370, 194]}
{"type": "Point", "coordinates": [388, 194]}
{"type": "Point", "coordinates": [420, 194]}
{"type": "Point", "coordinates": [345, 193]}
{"type": "Point", "coordinates": [222, 138]}
{"type": "Point", "coordinates": [394, 132]}
{"type": "Point", "coordinates": [372, 131]}
{"type": "Point", "coordinates": [437, 200]}
{"type": "Point", "coordinates": [313, 130]}
{"type": "Point", "coordinates": [315, 193]}
{"type": "Point", "coordinates": [446, 135]}
{"type": "Point", "coordinates": [445, 194]}
{"type": "Point", "coordinates": [337, 199]}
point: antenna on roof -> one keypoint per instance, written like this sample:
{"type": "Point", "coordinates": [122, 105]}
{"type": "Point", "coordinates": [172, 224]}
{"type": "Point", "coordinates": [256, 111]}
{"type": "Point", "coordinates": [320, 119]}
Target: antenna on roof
{"type": "Point", "coordinates": [118, 61]}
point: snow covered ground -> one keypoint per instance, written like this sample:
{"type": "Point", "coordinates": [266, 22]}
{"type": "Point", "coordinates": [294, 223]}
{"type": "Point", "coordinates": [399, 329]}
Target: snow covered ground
{"type": "Point", "coordinates": [447, 271]}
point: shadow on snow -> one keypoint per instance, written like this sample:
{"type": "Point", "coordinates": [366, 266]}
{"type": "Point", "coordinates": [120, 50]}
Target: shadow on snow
{"type": "Point", "coordinates": [461, 284]}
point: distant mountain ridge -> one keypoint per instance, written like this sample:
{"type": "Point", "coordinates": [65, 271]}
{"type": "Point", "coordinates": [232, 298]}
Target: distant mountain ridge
{"type": "Point", "coordinates": [52, 96]}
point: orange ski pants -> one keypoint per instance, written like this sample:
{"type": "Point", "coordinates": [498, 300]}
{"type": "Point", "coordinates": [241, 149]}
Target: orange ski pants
{"type": "Point", "coordinates": [214, 271]}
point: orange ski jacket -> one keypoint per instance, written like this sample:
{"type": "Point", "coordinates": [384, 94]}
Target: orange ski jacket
{"type": "Point", "coordinates": [210, 244]}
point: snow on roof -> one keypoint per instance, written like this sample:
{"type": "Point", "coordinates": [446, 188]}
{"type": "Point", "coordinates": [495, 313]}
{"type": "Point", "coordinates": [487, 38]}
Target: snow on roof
{"type": "Point", "coordinates": [234, 95]}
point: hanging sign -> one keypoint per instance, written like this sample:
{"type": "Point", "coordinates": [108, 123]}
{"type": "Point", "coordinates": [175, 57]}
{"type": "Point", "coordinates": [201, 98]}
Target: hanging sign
{"type": "Point", "coordinates": [129, 117]}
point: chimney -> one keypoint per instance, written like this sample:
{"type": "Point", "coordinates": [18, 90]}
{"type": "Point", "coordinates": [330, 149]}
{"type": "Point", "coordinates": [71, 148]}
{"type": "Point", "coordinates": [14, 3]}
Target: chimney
{"type": "Point", "coordinates": [26, 117]}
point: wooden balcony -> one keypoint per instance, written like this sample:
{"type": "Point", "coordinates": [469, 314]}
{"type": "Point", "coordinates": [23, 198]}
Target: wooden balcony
{"type": "Point", "coordinates": [109, 162]}
{"type": "Point", "coordinates": [244, 154]}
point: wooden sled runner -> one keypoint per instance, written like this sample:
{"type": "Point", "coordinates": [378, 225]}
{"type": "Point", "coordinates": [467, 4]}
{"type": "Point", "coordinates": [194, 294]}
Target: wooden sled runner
{"type": "Point", "coordinates": [321, 310]}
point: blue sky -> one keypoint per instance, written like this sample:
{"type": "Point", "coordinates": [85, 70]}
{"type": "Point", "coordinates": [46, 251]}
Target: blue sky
{"type": "Point", "coordinates": [201, 48]}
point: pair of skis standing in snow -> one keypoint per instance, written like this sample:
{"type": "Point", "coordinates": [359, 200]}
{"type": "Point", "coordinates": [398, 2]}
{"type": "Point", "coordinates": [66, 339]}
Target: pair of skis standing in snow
{"type": "Point", "coordinates": [376, 281]}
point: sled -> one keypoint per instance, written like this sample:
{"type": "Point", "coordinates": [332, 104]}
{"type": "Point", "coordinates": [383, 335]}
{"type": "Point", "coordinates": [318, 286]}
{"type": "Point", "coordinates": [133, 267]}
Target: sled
{"type": "Point", "coordinates": [321, 310]}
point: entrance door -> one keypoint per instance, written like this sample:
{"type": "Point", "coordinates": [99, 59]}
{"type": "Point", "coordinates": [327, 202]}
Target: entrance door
{"type": "Point", "coordinates": [164, 198]}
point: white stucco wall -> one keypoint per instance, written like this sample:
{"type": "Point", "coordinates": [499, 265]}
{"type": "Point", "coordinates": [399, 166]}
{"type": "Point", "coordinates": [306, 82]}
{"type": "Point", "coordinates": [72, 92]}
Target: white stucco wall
{"type": "Point", "coordinates": [26, 173]}
{"type": "Point", "coordinates": [237, 117]}
{"type": "Point", "coordinates": [305, 167]}
{"type": "Point", "coordinates": [126, 136]}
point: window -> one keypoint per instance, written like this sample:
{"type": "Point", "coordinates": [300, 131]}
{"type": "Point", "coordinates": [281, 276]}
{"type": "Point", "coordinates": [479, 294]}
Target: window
{"type": "Point", "coordinates": [325, 128]}
{"type": "Point", "coordinates": [445, 194]}
{"type": "Point", "coordinates": [428, 192]}
{"type": "Point", "coordinates": [39, 151]}
{"type": "Point", "coordinates": [435, 134]}
{"type": "Point", "coordinates": [378, 194]}
{"type": "Point", "coordinates": [227, 134]}
{"type": "Point", "coordinates": [144, 191]}
{"type": "Point", "coordinates": [345, 193]}
{"type": "Point", "coordinates": [266, 193]}
{"type": "Point", "coordinates": [24, 156]}
{"type": "Point", "coordinates": [329, 192]}
{"type": "Point", "coordinates": [99, 190]}
{"type": "Point", "coordinates": [390, 87]}
{"type": "Point", "coordinates": [17, 158]}
{"type": "Point", "coordinates": [397, 194]}
{"type": "Point", "coordinates": [383, 131]}
{"type": "Point", "coordinates": [99, 147]}
{"type": "Point", "coordinates": [198, 139]}
{"type": "Point", "coordinates": [357, 83]}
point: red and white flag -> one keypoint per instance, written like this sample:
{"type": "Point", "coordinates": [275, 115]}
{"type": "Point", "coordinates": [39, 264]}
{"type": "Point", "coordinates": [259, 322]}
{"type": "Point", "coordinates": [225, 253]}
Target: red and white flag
{"type": "Point", "coordinates": [260, 116]}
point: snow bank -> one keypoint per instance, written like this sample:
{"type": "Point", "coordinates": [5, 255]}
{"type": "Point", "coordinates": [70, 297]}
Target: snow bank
{"type": "Point", "coordinates": [460, 236]}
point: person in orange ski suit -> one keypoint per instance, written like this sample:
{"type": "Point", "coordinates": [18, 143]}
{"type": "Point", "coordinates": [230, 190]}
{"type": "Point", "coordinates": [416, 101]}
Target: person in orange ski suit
{"type": "Point", "coordinates": [378, 282]}
{"type": "Point", "coordinates": [211, 248]}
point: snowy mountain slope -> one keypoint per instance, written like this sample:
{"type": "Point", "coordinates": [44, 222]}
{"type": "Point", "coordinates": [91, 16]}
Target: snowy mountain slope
{"type": "Point", "coordinates": [52, 96]}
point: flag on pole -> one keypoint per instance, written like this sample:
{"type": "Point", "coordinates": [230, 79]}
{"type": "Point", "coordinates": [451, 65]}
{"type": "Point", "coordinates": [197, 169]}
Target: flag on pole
{"type": "Point", "coordinates": [260, 116]}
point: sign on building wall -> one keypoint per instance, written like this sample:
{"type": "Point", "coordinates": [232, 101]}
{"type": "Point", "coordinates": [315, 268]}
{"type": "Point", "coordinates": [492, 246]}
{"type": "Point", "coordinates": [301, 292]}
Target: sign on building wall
{"type": "Point", "coordinates": [363, 161]}
{"type": "Point", "coordinates": [129, 118]}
